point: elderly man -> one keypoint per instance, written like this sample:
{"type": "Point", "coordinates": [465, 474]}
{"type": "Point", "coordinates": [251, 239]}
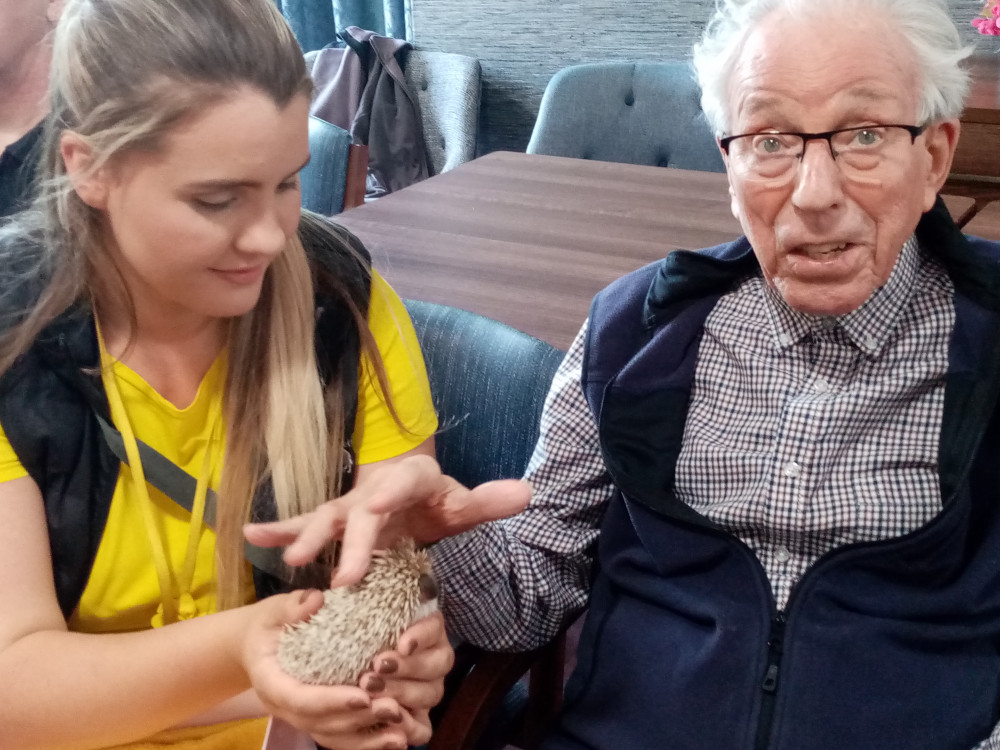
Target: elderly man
{"type": "Point", "coordinates": [791, 439]}
{"type": "Point", "coordinates": [787, 443]}
{"type": "Point", "coordinates": [25, 27]}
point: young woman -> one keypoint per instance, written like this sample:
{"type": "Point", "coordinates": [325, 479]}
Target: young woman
{"type": "Point", "coordinates": [165, 290]}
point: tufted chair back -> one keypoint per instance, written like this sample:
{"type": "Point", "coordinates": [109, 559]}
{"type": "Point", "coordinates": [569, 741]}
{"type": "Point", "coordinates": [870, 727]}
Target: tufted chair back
{"type": "Point", "coordinates": [447, 90]}
{"type": "Point", "coordinates": [632, 112]}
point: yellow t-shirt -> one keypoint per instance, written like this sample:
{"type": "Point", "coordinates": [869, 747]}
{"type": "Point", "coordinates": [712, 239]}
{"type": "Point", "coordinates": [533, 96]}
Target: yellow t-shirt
{"type": "Point", "coordinates": [122, 592]}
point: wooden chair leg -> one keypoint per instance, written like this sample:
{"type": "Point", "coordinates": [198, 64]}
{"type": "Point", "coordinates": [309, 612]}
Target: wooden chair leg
{"type": "Point", "coordinates": [357, 176]}
{"type": "Point", "coordinates": [545, 692]}
{"type": "Point", "coordinates": [468, 712]}
{"type": "Point", "coordinates": [471, 706]}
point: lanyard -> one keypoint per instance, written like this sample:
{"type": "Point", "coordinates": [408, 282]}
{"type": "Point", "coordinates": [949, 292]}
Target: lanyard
{"type": "Point", "coordinates": [176, 601]}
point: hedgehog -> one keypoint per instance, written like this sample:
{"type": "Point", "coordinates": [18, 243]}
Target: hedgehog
{"type": "Point", "coordinates": [337, 644]}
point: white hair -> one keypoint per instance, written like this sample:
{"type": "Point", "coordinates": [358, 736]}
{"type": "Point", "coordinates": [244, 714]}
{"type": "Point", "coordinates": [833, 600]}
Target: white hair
{"type": "Point", "coordinates": [925, 24]}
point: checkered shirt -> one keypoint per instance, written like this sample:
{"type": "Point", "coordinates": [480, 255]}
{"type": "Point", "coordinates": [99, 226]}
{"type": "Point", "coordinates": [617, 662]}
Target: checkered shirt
{"type": "Point", "coordinates": [803, 434]}
{"type": "Point", "coordinates": [807, 433]}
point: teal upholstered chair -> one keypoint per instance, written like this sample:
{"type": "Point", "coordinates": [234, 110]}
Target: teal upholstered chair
{"type": "Point", "coordinates": [324, 179]}
{"type": "Point", "coordinates": [489, 381]}
{"type": "Point", "coordinates": [334, 178]}
{"type": "Point", "coordinates": [632, 112]}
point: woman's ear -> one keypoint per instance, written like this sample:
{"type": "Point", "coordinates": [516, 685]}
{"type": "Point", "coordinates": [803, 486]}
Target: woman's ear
{"type": "Point", "coordinates": [89, 184]}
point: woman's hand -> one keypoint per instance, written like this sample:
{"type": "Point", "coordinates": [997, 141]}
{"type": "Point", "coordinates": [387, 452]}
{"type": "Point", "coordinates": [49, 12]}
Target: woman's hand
{"type": "Point", "coordinates": [413, 674]}
{"type": "Point", "coordinates": [340, 717]}
{"type": "Point", "coordinates": [410, 497]}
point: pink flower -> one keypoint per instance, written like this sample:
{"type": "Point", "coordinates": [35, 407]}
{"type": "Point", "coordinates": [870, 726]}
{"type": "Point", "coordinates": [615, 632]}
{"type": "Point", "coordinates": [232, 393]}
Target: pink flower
{"type": "Point", "coordinates": [989, 24]}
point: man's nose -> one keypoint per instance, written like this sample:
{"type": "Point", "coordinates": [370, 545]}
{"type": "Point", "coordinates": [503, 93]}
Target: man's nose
{"type": "Point", "coordinates": [818, 180]}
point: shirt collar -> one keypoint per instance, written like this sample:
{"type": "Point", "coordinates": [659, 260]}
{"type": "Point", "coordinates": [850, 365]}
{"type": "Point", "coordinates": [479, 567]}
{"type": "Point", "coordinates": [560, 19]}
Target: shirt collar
{"type": "Point", "coordinates": [868, 327]}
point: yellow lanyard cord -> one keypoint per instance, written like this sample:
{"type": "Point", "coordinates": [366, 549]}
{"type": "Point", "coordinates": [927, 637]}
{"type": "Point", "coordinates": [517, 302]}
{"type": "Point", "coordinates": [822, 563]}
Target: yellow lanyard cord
{"type": "Point", "coordinates": [176, 601]}
{"type": "Point", "coordinates": [187, 605]}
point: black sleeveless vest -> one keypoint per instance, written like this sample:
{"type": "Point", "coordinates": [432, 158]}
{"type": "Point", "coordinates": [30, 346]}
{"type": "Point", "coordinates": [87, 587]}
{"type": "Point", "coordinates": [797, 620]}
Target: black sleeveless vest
{"type": "Point", "coordinates": [50, 399]}
{"type": "Point", "coordinates": [891, 644]}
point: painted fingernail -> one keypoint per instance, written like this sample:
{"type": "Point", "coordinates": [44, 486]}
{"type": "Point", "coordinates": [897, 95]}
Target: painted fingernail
{"type": "Point", "coordinates": [388, 666]}
{"type": "Point", "coordinates": [374, 684]}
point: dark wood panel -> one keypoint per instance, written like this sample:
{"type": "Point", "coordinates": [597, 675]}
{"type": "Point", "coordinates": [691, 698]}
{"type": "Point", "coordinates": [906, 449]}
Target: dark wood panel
{"type": "Point", "coordinates": [978, 151]}
{"type": "Point", "coordinates": [976, 168]}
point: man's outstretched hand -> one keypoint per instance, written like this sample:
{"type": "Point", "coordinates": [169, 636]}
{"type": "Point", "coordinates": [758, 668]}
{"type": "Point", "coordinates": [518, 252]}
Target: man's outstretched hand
{"type": "Point", "coordinates": [408, 498]}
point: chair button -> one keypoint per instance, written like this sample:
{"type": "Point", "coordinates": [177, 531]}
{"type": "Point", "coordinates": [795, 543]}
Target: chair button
{"type": "Point", "coordinates": [629, 99]}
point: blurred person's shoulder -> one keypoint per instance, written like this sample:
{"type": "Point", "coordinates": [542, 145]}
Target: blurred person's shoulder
{"type": "Point", "coordinates": [18, 163]}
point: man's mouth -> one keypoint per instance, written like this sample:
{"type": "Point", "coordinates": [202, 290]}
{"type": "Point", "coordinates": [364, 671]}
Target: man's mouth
{"type": "Point", "coordinates": [824, 251]}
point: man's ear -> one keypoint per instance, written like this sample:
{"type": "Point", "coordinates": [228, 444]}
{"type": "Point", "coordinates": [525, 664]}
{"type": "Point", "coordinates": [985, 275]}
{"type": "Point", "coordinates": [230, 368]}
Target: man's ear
{"type": "Point", "coordinates": [941, 141]}
{"type": "Point", "coordinates": [89, 184]}
{"type": "Point", "coordinates": [733, 205]}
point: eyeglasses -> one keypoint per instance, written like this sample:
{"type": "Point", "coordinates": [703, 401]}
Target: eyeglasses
{"type": "Point", "coordinates": [859, 151]}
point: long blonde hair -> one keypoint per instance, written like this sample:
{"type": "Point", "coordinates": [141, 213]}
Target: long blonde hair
{"type": "Point", "coordinates": [124, 72]}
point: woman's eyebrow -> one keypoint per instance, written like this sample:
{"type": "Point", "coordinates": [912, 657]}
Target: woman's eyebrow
{"type": "Point", "coordinates": [225, 184]}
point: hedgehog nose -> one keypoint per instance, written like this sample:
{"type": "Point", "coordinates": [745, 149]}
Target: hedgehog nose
{"type": "Point", "coordinates": [428, 587]}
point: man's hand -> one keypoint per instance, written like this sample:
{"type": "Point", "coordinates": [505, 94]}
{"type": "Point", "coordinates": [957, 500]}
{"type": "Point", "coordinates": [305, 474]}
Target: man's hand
{"type": "Point", "coordinates": [410, 497]}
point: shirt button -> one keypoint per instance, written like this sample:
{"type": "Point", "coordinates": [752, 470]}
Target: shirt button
{"type": "Point", "coordinates": [782, 554]}
{"type": "Point", "coordinates": [869, 341]}
{"type": "Point", "coordinates": [821, 386]}
{"type": "Point", "coordinates": [791, 469]}
{"type": "Point", "coordinates": [784, 339]}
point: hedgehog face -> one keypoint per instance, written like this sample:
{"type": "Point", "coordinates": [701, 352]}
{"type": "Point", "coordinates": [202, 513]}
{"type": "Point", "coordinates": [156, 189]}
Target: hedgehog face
{"type": "Point", "coordinates": [337, 644]}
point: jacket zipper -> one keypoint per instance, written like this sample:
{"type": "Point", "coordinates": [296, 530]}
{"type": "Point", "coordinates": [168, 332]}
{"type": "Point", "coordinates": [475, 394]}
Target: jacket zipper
{"type": "Point", "coordinates": [769, 686]}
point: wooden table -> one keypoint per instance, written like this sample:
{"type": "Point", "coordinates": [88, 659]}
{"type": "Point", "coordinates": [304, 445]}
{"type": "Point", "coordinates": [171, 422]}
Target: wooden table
{"type": "Point", "coordinates": [530, 239]}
